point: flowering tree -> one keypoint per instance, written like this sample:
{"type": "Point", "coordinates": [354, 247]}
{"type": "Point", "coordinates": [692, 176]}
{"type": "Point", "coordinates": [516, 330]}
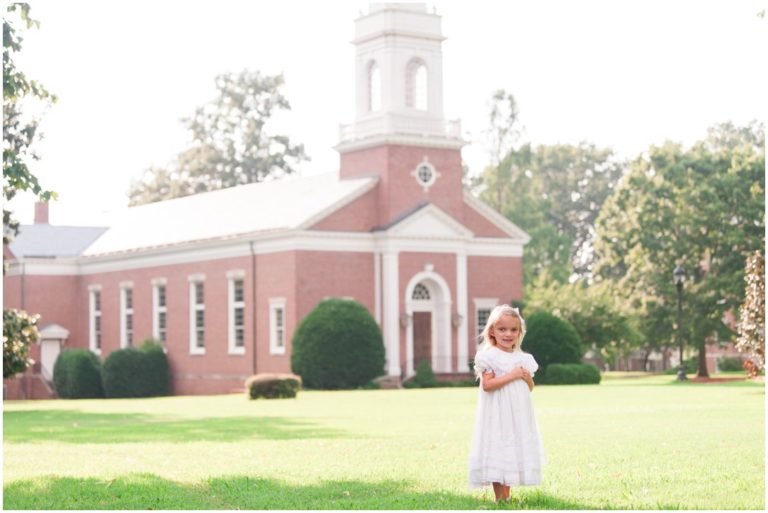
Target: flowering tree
{"type": "Point", "coordinates": [19, 331]}
{"type": "Point", "coordinates": [752, 313]}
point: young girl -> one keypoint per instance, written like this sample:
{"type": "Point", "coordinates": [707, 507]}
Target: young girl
{"type": "Point", "coordinates": [506, 446]}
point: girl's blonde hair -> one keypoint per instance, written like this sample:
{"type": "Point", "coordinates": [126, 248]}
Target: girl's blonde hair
{"type": "Point", "coordinates": [495, 315]}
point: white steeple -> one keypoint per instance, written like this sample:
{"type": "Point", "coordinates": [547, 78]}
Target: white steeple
{"type": "Point", "coordinates": [399, 80]}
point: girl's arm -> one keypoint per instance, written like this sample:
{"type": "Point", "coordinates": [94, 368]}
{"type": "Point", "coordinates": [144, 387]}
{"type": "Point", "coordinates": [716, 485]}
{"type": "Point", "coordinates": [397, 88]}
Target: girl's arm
{"type": "Point", "coordinates": [528, 379]}
{"type": "Point", "coordinates": [491, 382]}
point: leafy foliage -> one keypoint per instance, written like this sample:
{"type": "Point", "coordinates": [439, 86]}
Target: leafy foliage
{"type": "Point", "coordinates": [424, 377]}
{"type": "Point", "coordinates": [19, 332]}
{"type": "Point", "coordinates": [572, 374]}
{"type": "Point", "coordinates": [122, 373]}
{"type": "Point", "coordinates": [752, 313]}
{"type": "Point", "coordinates": [602, 323]}
{"type": "Point", "coordinates": [231, 142]}
{"type": "Point", "coordinates": [157, 370]}
{"type": "Point", "coordinates": [273, 386]}
{"type": "Point", "coordinates": [550, 340]}
{"type": "Point", "coordinates": [132, 372]}
{"type": "Point", "coordinates": [338, 345]}
{"type": "Point", "coordinates": [729, 364]}
{"type": "Point", "coordinates": [702, 207]}
{"type": "Point", "coordinates": [77, 375]}
{"type": "Point", "coordinates": [554, 193]}
{"type": "Point", "coordinates": [19, 131]}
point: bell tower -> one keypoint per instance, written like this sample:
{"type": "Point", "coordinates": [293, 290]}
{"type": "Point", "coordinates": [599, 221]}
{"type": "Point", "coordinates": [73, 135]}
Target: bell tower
{"type": "Point", "coordinates": [399, 131]}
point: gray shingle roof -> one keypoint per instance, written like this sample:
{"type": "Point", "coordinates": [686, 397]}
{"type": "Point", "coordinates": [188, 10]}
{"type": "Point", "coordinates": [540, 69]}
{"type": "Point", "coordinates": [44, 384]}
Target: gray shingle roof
{"type": "Point", "coordinates": [48, 241]}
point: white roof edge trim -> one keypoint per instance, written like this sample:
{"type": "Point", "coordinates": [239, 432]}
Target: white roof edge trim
{"type": "Point", "coordinates": [497, 219]}
{"type": "Point", "coordinates": [440, 213]}
{"type": "Point", "coordinates": [372, 181]}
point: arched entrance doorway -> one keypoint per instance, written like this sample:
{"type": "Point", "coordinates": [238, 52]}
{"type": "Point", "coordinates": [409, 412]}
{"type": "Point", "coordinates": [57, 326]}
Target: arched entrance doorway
{"type": "Point", "coordinates": [428, 334]}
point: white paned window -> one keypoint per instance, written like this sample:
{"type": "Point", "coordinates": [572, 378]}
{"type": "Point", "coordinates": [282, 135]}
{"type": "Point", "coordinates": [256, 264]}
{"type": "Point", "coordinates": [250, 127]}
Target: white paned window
{"type": "Point", "coordinates": [416, 85]}
{"type": "Point", "coordinates": [159, 311]}
{"type": "Point", "coordinates": [483, 307]}
{"type": "Point", "coordinates": [236, 309]}
{"type": "Point", "coordinates": [277, 325]}
{"type": "Point", "coordinates": [374, 87]}
{"type": "Point", "coordinates": [94, 318]}
{"type": "Point", "coordinates": [420, 293]}
{"type": "Point", "coordinates": [197, 314]}
{"type": "Point", "coordinates": [126, 314]}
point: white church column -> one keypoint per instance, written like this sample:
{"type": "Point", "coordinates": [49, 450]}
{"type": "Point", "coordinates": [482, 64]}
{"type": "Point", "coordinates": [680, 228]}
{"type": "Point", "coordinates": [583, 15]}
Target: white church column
{"type": "Point", "coordinates": [391, 300]}
{"type": "Point", "coordinates": [377, 286]}
{"type": "Point", "coordinates": [462, 358]}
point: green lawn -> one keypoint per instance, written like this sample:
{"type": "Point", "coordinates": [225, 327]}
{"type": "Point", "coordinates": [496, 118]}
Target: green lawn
{"type": "Point", "coordinates": [629, 443]}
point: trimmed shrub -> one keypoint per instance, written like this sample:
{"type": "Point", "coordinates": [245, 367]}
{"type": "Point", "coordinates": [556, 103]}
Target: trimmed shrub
{"type": "Point", "coordinates": [77, 375]}
{"type": "Point", "coordinates": [730, 364]}
{"type": "Point", "coordinates": [157, 370]}
{"type": "Point", "coordinates": [273, 386]}
{"type": "Point", "coordinates": [572, 374]}
{"type": "Point", "coordinates": [463, 383]}
{"type": "Point", "coordinates": [550, 340]}
{"type": "Point", "coordinates": [424, 377]}
{"type": "Point", "coordinates": [123, 373]}
{"type": "Point", "coordinates": [132, 372]}
{"type": "Point", "coordinates": [338, 345]}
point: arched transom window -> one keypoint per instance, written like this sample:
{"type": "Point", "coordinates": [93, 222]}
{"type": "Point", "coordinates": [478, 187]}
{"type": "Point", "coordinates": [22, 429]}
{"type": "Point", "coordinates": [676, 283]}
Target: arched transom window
{"type": "Point", "coordinates": [416, 85]}
{"type": "Point", "coordinates": [374, 87]}
{"type": "Point", "coordinates": [420, 293]}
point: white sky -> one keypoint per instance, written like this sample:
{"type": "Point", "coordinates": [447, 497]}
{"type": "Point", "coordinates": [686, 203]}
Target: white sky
{"type": "Point", "coordinates": [620, 74]}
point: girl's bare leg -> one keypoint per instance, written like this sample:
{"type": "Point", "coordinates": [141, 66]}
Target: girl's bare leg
{"type": "Point", "coordinates": [498, 491]}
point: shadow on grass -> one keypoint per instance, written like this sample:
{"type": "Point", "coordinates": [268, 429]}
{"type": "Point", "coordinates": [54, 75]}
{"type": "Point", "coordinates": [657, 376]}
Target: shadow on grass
{"type": "Point", "coordinates": [147, 491]}
{"type": "Point", "coordinates": [79, 427]}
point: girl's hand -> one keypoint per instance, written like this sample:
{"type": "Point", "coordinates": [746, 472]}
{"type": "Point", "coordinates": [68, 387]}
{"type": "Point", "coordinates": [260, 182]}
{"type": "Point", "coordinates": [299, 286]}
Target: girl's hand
{"type": "Point", "coordinates": [518, 373]}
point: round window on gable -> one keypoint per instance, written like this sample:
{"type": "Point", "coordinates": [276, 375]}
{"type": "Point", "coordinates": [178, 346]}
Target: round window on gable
{"type": "Point", "coordinates": [425, 174]}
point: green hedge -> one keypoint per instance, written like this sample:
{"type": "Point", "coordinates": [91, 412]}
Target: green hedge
{"type": "Point", "coordinates": [424, 377]}
{"type": "Point", "coordinates": [572, 374]}
{"type": "Point", "coordinates": [338, 345]}
{"type": "Point", "coordinates": [273, 386]}
{"type": "Point", "coordinates": [132, 372]}
{"type": "Point", "coordinates": [730, 364]}
{"type": "Point", "coordinates": [77, 375]}
{"type": "Point", "coordinates": [551, 340]}
{"type": "Point", "coordinates": [157, 371]}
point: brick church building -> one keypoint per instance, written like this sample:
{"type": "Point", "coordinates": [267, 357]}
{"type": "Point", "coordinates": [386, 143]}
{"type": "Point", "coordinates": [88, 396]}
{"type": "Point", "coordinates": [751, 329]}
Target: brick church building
{"type": "Point", "coordinates": [223, 278]}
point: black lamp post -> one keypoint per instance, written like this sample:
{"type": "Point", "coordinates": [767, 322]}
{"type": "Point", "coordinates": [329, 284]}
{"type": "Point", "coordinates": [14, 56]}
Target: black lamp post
{"type": "Point", "coordinates": [679, 277]}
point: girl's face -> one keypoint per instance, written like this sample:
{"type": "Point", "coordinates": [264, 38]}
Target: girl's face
{"type": "Point", "coordinates": [506, 332]}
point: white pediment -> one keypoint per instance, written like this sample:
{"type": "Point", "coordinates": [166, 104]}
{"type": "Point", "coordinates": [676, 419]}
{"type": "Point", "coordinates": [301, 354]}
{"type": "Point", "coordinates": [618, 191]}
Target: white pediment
{"type": "Point", "coordinates": [430, 222]}
{"type": "Point", "coordinates": [53, 332]}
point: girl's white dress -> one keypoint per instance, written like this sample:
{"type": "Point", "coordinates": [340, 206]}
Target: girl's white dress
{"type": "Point", "coordinates": [506, 445]}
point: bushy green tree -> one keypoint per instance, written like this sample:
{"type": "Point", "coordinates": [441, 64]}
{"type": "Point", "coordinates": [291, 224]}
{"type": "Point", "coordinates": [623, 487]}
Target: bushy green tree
{"type": "Point", "coordinates": [19, 332]}
{"type": "Point", "coordinates": [701, 207]}
{"type": "Point", "coordinates": [338, 345]}
{"type": "Point", "coordinates": [551, 339]}
{"type": "Point", "coordinates": [603, 324]}
{"type": "Point", "coordinates": [20, 131]}
{"type": "Point", "coordinates": [231, 142]}
{"type": "Point", "coordinates": [77, 375]}
{"type": "Point", "coordinates": [554, 193]}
